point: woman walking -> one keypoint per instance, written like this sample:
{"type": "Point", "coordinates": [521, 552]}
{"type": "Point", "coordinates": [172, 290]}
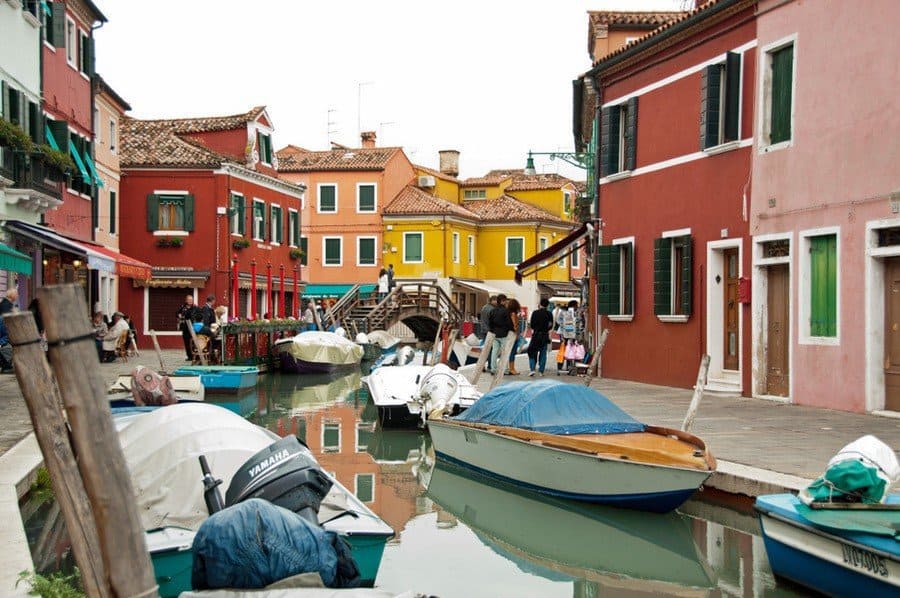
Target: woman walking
{"type": "Point", "coordinates": [566, 322]}
{"type": "Point", "coordinates": [383, 284]}
{"type": "Point", "coordinates": [514, 308]}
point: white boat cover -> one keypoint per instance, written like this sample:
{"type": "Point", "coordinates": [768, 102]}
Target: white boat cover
{"type": "Point", "coordinates": [872, 451]}
{"type": "Point", "coordinates": [382, 339]}
{"type": "Point", "coordinates": [322, 347]}
{"type": "Point", "coordinates": [162, 449]}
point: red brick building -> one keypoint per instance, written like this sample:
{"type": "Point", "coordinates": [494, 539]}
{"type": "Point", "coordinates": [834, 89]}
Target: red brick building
{"type": "Point", "coordinates": [201, 200]}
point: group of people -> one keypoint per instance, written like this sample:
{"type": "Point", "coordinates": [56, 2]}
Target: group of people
{"type": "Point", "coordinates": [107, 333]}
{"type": "Point", "coordinates": [385, 281]}
{"type": "Point", "coordinates": [207, 316]}
{"type": "Point", "coordinates": [503, 316]}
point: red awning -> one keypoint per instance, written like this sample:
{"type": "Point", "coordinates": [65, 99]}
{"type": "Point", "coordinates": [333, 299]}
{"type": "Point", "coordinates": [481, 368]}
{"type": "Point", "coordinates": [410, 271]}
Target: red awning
{"type": "Point", "coordinates": [128, 267]}
{"type": "Point", "coordinates": [565, 246]}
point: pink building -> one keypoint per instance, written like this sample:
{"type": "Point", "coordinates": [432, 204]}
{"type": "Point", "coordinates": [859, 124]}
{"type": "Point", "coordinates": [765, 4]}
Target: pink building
{"type": "Point", "coordinates": [825, 205]}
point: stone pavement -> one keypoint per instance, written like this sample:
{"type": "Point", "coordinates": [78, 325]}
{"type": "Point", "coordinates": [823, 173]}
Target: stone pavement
{"type": "Point", "coordinates": [758, 439]}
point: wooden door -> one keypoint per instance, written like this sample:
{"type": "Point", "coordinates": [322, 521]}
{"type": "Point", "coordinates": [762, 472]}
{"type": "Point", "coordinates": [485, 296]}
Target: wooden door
{"type": "Point", "coordinates": [778, 318]}
{"type": "Point", "coordinates": [730, 309]}
{"type": "Point", "coordinates": [892, 335]}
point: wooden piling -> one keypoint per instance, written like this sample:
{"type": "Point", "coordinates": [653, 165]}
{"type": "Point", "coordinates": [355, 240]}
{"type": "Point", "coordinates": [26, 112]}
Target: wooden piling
{"type": "Point", "coordinates": [698, 394]}
{"type": "Point", "coordinates": [162, 366]}
{"type": "Point", "coordinates": [503, 361]}
{"type": "Point", "coordinates": [595, 359]}
{"type": "Point", "coordinates": [482, 357]}
{"type": "Point", "coordinates": [73, 358]}
{"type": "Point", "coordinates": [44, 407]}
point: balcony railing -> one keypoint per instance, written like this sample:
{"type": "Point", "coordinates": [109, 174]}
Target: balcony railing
{"type": "Point", "coordinates": [30, 172]}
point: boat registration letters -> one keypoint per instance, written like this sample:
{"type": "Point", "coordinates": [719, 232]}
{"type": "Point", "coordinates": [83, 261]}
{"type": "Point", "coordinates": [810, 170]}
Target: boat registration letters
{"type": "Point", "coordinates": [471, 437]}
{"type": "Point", "coordinates": [864, 559]}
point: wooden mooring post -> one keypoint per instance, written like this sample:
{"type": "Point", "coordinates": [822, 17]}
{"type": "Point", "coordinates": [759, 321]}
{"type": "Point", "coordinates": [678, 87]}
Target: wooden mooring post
{"type": "Point", "coordinates": [162, 365]}
{"type": "Point", "coordinates": [101, 464]}
{"type": "Point", "coordinates": [698, 394]}
{"type": "Point", "coordinates": [44, 407]}
{"type": "Point", "coordinates": [595, 359]}
{"type": "Point", "coordinates": [503, 361]}
{"type": "Point", "coordinates": [482, 357]}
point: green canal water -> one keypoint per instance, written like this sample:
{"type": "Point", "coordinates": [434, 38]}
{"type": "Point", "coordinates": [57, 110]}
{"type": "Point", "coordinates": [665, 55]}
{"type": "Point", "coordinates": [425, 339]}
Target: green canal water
{"type": "Point", "coordinates": [462, 535]}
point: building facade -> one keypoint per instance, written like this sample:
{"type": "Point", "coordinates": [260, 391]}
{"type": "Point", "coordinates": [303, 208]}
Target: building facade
{"type": "Point", "coordinates": [212, 217]}
{"type": "Point", "coordinates": [824, 207]}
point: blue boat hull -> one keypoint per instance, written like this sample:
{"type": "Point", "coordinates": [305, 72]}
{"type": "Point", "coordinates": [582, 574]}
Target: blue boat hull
{"type": "Point", "coordinates": [223, 379]}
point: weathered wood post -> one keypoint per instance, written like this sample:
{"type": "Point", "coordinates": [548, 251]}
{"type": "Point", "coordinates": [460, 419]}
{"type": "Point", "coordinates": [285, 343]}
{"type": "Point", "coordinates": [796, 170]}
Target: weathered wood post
{"type": "Point", "coordinates": [482, 357]}
{"type": "Point", "coordinates": [698, 394]}
{"type": "Point", "coordinates": [435, 356]}
{"type": "Point", "coordinates": [73, 357]}
{"type": "Point", "coordinates": [503, 361]}
{"type": "Point", "coordinates": [162, 366]}
{"type": "Point", "coordinates": [446, 351]}
{"type": "Point", "coordinates": [200, 353]}
{"type": "Point", "coordinates": [44, 403]}
{"type": "Point", "coordinates": [595, 359]}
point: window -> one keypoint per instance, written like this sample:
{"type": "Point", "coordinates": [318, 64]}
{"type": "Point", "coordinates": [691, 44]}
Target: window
{"type": "Point", "coordinates": [54, 23]}
{"type": "Point", "coordinates": [277, 225]}
{"type": "Point", "coordinates": [86, 54]}
{"type": "Point", "coordinates": [98, 138]}
{"type": "Point", "coordinates": [618, 138]}
{"type": "Point", "coordinates": [113, 135]}
{"type": "Point", "coordinates": [170, 212]}
{"type": "Point", "coordinates": [364, 434]}
{"type": "Point", "coordinates": [823, 286]}
{"type": "Point", "coordinates": [264, 144]}
{"type": "Point", "coordinates": [331, 248]}
{"type": "Point", "coordinates": [567, 202]}
{"type": "Point", "coordinates": [474, 194]}
{"type": "Point", "coordinates": [720, 102]}
{"type": "Point", "coordinates": [365, 487]}
{"type": "Point", "coordinates": [778, 92]}
{"type": "Point", "coordinates": [454, 250]}
{"type": "Point", "coordinates": [672, 276]}
{"type": "Point", "coordinates": [576, 257]}
{"type": "Point", "coordinates": [112, 212]}
{"type": "Point", "coordinates": [615, 274]}
{"type": "Point", "coordinates": [365, 198]}
{"type": "Point", "coordinates": [365, 251]}
{"type": "Point", "coordinates": [471, 250]}
{"type": "Point", "coordinates": [542, 245]}
{"type": "Point", "coordinates": [331, 436]}
{"type": "Point", "coordinates": [71, 41]}
{"type": "Point", "coordinates": [237, 210]}
{"type": "Point", "coordinates": [328, 198]}
{"type": "Point", "coordinates": [412, 248]}
{"type": "Point", "coordinates": [293, 227]}
{"type": "Point", "coordinates": [515, 250]}
{"type": "Point", "coordinates": [259, 220]}
{"type": "Point", "coordinates": [304, 247]}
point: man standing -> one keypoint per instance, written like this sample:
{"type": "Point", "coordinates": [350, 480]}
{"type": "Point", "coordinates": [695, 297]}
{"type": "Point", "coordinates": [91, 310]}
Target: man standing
{"type": "Point", "coordinates": [185, 318]}
{"type": "Point", "coordinates": [541, 324]}
{"type": "Point", "coordinates": [390, 275]}
{"type": "Point", "coordinates": [500, 324]}
{"type": "Point", "coordinates": [485, 315]}
{"type": "Point", "coordinates": [208, 312]}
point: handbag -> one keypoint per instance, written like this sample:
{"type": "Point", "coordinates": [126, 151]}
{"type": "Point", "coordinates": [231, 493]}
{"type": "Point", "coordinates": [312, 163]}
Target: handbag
{"type": "Point", "coordinates": [561, 354]}
{"type": "Point", "coordinates": [570, 350]}
{"type": "Point", "coordinates": [578, 351]}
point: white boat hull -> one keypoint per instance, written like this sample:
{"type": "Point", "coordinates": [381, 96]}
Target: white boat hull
{"type": "Point", "coordinates": [565, 473]}
{"type": "Point", "coordinates": [395, 392]}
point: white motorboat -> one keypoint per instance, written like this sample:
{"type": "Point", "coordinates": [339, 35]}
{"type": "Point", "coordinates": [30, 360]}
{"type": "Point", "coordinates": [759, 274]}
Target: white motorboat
{"type": "Point", "coordinates": [405, 395]}
{"type": "Point", "coordinates": [316, 352]}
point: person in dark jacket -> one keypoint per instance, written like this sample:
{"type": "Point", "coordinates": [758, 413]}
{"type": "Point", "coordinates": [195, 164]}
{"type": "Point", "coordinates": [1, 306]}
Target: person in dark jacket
{"type": "Point", "coordinates": [500, 324]}
{"type": "Point", "coordinates": [6, 351]}
{"type": "Point", "coordinates": [185, 318]}
{"type": "Point", "coordinates": [10, 301]}
{"type": "Point", "coordinates": [541, 324]}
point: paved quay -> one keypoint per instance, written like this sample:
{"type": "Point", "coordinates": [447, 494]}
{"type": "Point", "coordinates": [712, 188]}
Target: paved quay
{"type": "Point", "coordinates": [761, 445]}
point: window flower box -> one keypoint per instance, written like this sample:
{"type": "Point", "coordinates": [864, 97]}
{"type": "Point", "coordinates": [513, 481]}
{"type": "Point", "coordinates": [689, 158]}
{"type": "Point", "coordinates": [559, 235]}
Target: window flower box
{"type": "Point", "coordinates": [170, 242]}
{"type": "Point", "coordinates": [240, 243]}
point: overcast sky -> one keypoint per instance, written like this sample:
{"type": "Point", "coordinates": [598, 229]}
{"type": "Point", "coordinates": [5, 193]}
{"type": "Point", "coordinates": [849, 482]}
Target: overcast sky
{"type": "Point", "coordinates": [490, 78]}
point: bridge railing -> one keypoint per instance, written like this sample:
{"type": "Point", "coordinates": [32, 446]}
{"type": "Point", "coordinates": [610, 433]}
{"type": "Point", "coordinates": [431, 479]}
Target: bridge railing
{"type": "Point", "coordinates": [422, 296]}
{"type": "Point", "coordinates": [342, 307]}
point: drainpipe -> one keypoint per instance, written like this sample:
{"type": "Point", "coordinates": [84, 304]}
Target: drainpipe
{"type": "Point", "coordinates": [593, 290]}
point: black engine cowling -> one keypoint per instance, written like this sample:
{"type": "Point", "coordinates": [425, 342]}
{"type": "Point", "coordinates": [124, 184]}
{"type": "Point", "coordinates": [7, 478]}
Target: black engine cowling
{"type": "Point", "coordinates": [284, 473]}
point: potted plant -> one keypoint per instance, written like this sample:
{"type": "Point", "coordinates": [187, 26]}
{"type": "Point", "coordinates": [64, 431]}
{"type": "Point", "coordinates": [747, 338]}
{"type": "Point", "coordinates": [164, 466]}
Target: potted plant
{"type": "Point", "coordinates": [13, 136]}
{"type": "Point", "coordinates": [55, 158]}
{"type": "Point", "coordinates": [240, 243]}
{"type": "Point", "coordinates": [169, 242]}
{"type": "Point", "coordinates": [296, 254]}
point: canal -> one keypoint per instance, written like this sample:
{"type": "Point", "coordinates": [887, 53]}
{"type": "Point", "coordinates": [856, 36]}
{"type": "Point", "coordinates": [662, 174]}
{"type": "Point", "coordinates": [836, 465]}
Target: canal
{"type": "Point", "coordinates": [462, 535]}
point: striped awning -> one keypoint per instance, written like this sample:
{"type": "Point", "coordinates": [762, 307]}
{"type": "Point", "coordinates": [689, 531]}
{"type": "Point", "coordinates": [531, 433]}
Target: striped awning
{"type": "Point", "coordinates": [14, 261]}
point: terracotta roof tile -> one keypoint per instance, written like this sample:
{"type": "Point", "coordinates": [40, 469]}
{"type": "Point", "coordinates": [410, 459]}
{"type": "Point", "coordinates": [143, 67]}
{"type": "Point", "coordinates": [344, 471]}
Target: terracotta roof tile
{"type": "Point", "coordinates": [436, 173]}
{"type": "Point", "coordinates": [165, 142]}
{"type": "Point", "coordinates": [510, 209]}
{"type": "Point", "coordinates": [484, 181]}
{"type": "Point", "coordinates": [505, 172]}
{"type": "Point", "coordinates": [639, 19]}
{"type": "Point", "coordinates": [364, 158]}
{"type": "Point", "coordinates": [537, 182]}
{"type": "Point", "coordinates": [413, 201]}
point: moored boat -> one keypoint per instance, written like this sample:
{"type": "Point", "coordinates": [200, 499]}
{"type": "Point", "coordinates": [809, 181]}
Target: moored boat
{"type": "Point", "coordinates": [154, 388]}
{"type": "Point", "coordinates": [571, 441]}
{"type": "Point", "coordinates": [405, 395]}
{"type": "Point", "coordinates": [316, 352]}
{"type": "Point", "coordinates": [225, 379]}
{"type": "Point", "coordinates": [841, 536]}
{"type": "Point", "coordinates": [161, 447]}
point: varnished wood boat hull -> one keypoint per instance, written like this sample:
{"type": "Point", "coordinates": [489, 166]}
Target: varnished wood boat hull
{"type": "Point", "coordinates": [649, 471]}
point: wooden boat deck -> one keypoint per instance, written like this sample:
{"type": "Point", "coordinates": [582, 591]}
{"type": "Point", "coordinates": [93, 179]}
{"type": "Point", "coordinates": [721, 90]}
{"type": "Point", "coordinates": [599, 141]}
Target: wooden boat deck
{"type": "Point", "coordinates": [656, 446]}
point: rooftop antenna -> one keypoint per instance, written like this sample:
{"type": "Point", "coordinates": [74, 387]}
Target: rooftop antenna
{"type": "Point", "coordinates": [330, 124]}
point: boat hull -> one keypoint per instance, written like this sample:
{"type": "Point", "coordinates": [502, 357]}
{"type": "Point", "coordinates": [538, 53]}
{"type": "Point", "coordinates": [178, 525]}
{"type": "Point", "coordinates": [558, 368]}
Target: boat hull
{"type": "Point", "coordinates": [568, 474]}
{"type": "Point", "coordinates": [395, 392]}
{"type": "Point", "coordinates": [223, 379]}
{"type": "Point", "coordinates": [826, 562]}
{"type": "Point", "coordinates": [292, 365]}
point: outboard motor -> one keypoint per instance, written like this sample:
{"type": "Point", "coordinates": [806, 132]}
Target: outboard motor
{"type": "Point", "coordinates": [284, 473]}
{"type": "Point", "coordinates": [437, 388]}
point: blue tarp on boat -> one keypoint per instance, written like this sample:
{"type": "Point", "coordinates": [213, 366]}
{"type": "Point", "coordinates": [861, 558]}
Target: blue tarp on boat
{"type": "Point", "coordinates": [552, 407]}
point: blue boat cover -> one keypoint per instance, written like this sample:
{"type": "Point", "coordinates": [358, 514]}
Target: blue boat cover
{"type": "Point", "coordinates": [255, 543]}
{"type": "Point", "coordinates": [551, 407]}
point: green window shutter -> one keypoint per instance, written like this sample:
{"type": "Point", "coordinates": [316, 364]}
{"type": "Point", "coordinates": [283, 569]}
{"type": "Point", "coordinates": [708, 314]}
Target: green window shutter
{"type": "Point", "coordinates": [662, 277]}
{"type": "Point", "coordinates": [242, 216]}
{"type": "Point", "coordinates": [326, 199]}
{"type": "Point", "coordinates": [367, 251]}
{"type": "Point", "coordinates": [514, 251]}
{"type": "Point", "coordinates": [732, 96]}
{"type": "Point", "coordinates": [685, 293]}
{"type": "Point", "coordinates": [152, 212]}
{"type": "Point", "coordinates": [782, 80]}
{"type": "Point", "coordinates": [365, 487]}
{"type": "Point", "coordinates": [4, 91]}
{"type": "Point", "coordinates": [112, 212]}
{"type": "Point", "coordinates": [295, 226]}
{"type": "Point", "coordinates": [304, 247]}
{"type": "Point", "coordinates": [627, 278]}
{"type": "Point", "coordinates": [333, 252]}
{"type": "Point", "coordinates": [609, 140]}
{"type": "Point", "coordinates": [58, 29]}
{"type": "Point", "coordinates": [608, 279]}
{"type": "Point", "coordinates": [631, 134]}
{"type": "Point", "coordinates": [710, 81]}
{"type": "Point", "coordinates": [366, 198]}
{"type": "Point", "coordinates": [823, 286]}
{"type": "Point", "coordinates": [59, 129]}
{"type": "Point", "coordinates": [413, 246]}
{"type": "Point", "coordinates": [189, 213]}
{"type": "Point", "coordinates": [87, 56]}
{"type": "Point", "coordinates": [35, 123]}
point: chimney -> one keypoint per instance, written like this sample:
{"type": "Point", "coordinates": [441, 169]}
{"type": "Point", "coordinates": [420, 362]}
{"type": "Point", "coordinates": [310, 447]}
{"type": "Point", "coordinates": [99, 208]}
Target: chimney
{"type": "Point", "coordinates": [449, 162]}
{"type": "Point", "coordinates": [368, 138]}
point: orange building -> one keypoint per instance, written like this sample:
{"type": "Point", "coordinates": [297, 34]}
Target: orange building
{"type": "Point", "coordinates": [341, 231]}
